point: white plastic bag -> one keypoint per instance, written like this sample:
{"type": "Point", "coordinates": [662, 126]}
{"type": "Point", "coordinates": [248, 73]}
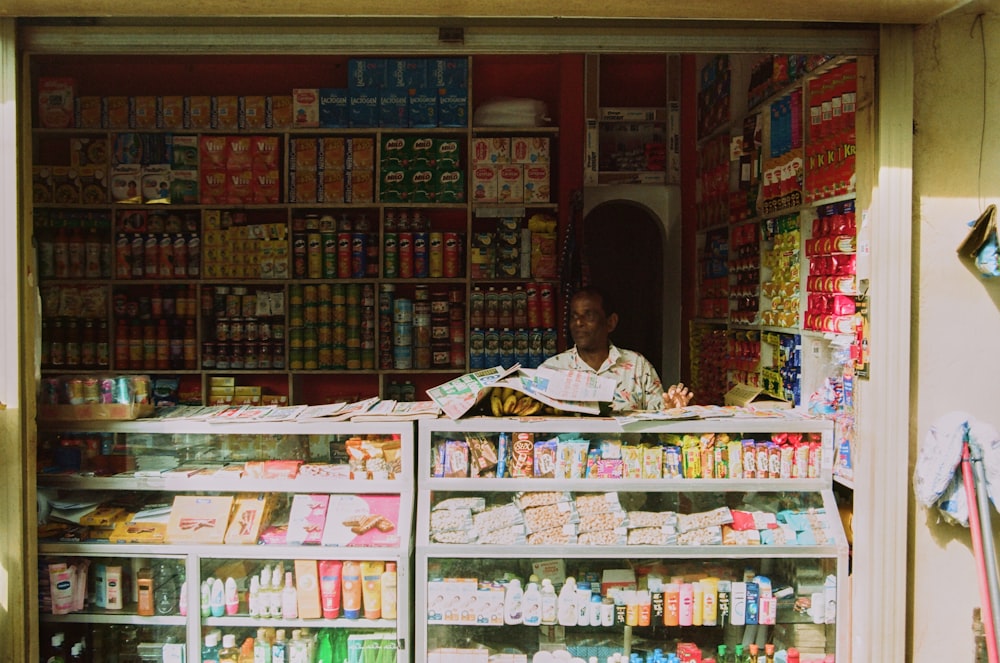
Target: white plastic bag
{"type": "Point", "coordinates": [509, 112]}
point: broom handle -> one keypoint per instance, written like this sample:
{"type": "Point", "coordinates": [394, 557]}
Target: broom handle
{"type": "Point", "coordinates": [989, 625]}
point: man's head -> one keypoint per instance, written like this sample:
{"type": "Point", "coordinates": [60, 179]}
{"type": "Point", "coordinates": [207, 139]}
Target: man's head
{"type": "Point", "coordinates": [592, 319]}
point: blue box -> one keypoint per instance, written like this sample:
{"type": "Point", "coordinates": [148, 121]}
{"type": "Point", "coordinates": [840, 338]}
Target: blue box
{"type": "Point", "coordinates": [393, 107]}
{"type": "Point", "coordinates": [366, 73]}
{"type": "Point", "coordinates": [364, 108]}
{"type": "Point", "coordinates": [453, 107]}
{"type": "Point", "coordinates": [334, 107]}
{"type": "Point", "coordinates": [448, 72]}
{"type": "Point", "coordinates": [423, 110]}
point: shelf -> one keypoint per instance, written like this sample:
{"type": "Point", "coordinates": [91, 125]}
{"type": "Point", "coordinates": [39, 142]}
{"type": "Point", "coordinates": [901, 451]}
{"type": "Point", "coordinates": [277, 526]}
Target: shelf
{"type": "Point", "coordinates": [114, 617]}
{"type": "Point", "coordinates": [513, 131]}
{"type": "Point", "coordinates": [220, 551]}
{"type": "Point", "coordinates": [198, 484]}
{"type": "Point", "coordinates": [473, 550]}
{"type": "Point", "coordinates": [486, 485]}
{"type": "Point", "coordinates": [846, 482]}
{"type": "Point", "coordinates": [246, 621]}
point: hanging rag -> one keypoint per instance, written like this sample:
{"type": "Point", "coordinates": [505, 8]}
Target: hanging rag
{"type": "Point", "coordinates": [935, 481]}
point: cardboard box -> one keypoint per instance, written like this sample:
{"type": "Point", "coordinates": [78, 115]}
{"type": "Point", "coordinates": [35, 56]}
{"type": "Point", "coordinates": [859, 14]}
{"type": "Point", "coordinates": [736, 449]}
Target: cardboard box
{"type": "Point", "coordinates": [305, 109]}
{"type": "Point", "coordinates": [743, 395]}
{"type": "Point", "coordinates": [56, 108]}
{"type": "Point", "coordinates": [95, 412]}
{"type": "Point", "coordinates": [249, 516]}
{"type": "Point", "coordinates": [199, 519]}
{"type": "Point", "coordinates": [307, 588]}
{"type": "Point", "coordinates": [306, 519]}
{"type": "Point", "coordinates": [362, 520]}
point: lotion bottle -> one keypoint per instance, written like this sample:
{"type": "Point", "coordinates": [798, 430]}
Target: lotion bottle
{"type": "Point", "coordinates": [279, 650]}
{"type": "Point", "coordinates": [567, 611]}
{"type": "Point", "coordinates": [289, 599]}
{"type": "Point", "coordinates": [253, 597]}
{"type": "Point", "coordinates": [217, 598]}
{"type": "Point", "coordinates": [531, 605]}
{"type": "Point", "coordinates": [276, 592]}
{"type": "Point", "coordinates": [232, 597]}
{"type": "Point", "coordinates": [389, 588]}
{"type": "Point", "coordinates": [548, 602]}
{"type": "Point", "coordinates": [513, 601]}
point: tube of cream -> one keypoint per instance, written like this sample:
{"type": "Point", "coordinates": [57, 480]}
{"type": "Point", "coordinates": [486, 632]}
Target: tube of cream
{"type": "Point", "coordinates": [329, 587]}
{"type": "Point", "coordinates": [351, 589]}
{"type": "Point", "coordinates": [371, 588]}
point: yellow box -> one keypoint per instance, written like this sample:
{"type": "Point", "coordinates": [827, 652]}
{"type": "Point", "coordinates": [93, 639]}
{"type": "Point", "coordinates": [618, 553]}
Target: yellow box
{"type": "Point", "coordinates": [221, 381]}
{"type": "Point", "coordinates": [307, 584]}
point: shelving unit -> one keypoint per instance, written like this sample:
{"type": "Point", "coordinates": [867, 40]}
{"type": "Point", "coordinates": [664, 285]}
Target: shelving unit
{"type": "Point", "coordinates": [275, 233]}
{"type": "Point", "coordinates": [201, 443]}
{"type": "Point", "coordinates": [443, 566]}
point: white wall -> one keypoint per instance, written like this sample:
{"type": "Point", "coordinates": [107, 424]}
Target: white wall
{"type": "Point", "coordinates": [956, 321]}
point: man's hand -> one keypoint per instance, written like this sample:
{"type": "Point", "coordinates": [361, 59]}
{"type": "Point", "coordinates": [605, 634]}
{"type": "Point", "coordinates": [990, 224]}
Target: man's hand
{"type": "Point", "coordinates": [677, 396]}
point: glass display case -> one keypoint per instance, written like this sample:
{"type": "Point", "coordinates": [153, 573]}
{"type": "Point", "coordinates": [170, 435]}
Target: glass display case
{"type": "Point", "coordinates": [161, 537]}
{"type": "Point", "coordinates": [602, 537]}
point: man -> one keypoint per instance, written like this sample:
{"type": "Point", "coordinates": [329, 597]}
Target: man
{"type": "Point", "coordinates": [592, 319]}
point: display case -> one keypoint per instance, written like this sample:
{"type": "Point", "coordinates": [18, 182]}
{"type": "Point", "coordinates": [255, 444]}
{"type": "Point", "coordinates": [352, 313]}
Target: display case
{"type": "Point", "coordinates": [678, 535]}
{"type": "Point", "coordinates": [158, 535]}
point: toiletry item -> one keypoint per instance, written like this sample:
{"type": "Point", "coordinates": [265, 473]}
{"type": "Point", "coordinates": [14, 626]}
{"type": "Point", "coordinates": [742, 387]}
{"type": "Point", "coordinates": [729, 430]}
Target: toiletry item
{"type": "Point", "coordinates": [261, 647]}
{"type": "Point", "coordinates": [738, 601]}
{"type": "Point", "coordinates": [566, 613]}
{"type": "Point", "coordinates": [61, 588]}
{"type": "Point", "coordinates": [548, 602]}
{"type": "Point", "coordinates": [279, 650]}
{"type": "Point", "coordinates": [513, 603]}
{"type": "Point", "coordinates": [100, 585]}
{"type": "Point", "coordinates": [389, 589]}
{"type": "Point", "coordinates": [686, 610]}
{"type": "Point", "coordinates": [351, 589]}
{"type": "Point", "coordinates": [144, 593]}
{"type": "Point", "coordinates": [307, 589]}
{"type": "Point", "coordinates": [210, 651]}
{"type": "Point", "coordinates": [232, 597]}
{"type": "Point", "coordinates": [594, 610]}
{"type": "Point", "coordinates": [645, 606]}
{"type": "Point", "coordinates": [582, 603]}
{"type": "Point", "coordinates": [289, 598]}
{"type": "Point", "coordinates": [709, 601]}
{"type": "Point", "coordinates": [607, 611]}
{"type": "Point", "coordinates": [206, 596]}
{"type": "Point", "coordinates": [298, 648]}
{"type": "Point", "coordinates": [631, 607]}
{"type": "Point", "coordinates": [113, 584]}
{"type": "Point", "coordinates": [217, 598]}
{"type": "Point", "coordinates": [696, 605]}
{"type": "Point", "coordinates": [57, 653]}
{"type": "Point", "coordinates": [371, 588]}
{"type": "Point", "coordinates": [276, 591]}
{"type": "Point", "coordinates": [253, 597]}
{"type": "Point", "coordinates": [671, 604]}
{"type": "Point", "coordinates": [229, 653]}
{"type": "Point", "coordinates": [531, 605]}
{"type": "Point", "coordinates": [182, 602]}
{"type": "Point", "coordinates": [329, 587]}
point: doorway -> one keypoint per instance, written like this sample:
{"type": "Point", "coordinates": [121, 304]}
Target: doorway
{"type": "Point", "coordinates": [631, 248]}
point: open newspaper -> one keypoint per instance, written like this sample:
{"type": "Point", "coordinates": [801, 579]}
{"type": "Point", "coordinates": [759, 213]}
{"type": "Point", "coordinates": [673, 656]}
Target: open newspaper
{"type": "Point", "coordinates": [570, 391]}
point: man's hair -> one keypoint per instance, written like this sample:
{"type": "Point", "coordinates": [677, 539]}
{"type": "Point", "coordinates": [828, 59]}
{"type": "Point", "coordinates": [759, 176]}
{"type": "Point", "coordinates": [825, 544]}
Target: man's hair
{"type": "Point", "coordinates": [595, 292]}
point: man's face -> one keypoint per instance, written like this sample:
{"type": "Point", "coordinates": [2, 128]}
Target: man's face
{"type": "Point", "coordinates": [589, 325]}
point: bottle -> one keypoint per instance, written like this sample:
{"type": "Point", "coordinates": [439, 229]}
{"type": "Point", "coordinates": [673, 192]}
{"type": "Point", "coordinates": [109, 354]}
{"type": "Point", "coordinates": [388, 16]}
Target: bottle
{"type": "Point", "coordinates": [298, 649]}
{"type": "Point", "coordinates": [531, 604]}
{"type": "Point", "coordinates": [253, 597]}
{"type": "Point", "coordinates": [793, 655]}
{"type": "Point", "coordinates": [56, 651]}
{"type": "Point", "coordinates": [738, 656]}
{"type": "Point", "coordinates": [513, 601]}
{"type": "Point", "coordinates": [721, 654]}
{"type": "Point", "coordinates": [752, 653]}
{"type": "Point", "coordinates": [769, 653]}
{"type": "Point", "coordinates": [76, 653]}
{"type": "Point", "coordinates": [210, 652]}
{"type": "Point", "coordinates": [279, 650]}
{"type": "Point", "coordinates": [217, 598]}
{"type": "Point", "coordinates": [289, 599]}
{"type": "Point", "coordinates": [232, 597]}
{"type": "Point", "coordinates": [264, 592]}
{"type": "Point", "coordinates": [229, 653]}
{"type": "Point", "coordinates": [276, 593]}
{"type": "Point", "coordinates": [206, 597]}
{"type": "Point", "coordinates": [389, 583]}
{"type": "Point", "coordinates": [324, 648]}
{"type": "Point", "coordinates": [548, 602]}
{"type": "Point", "coordinates": [246, 651]}
{"type": "Point", "coordinates": [102, 347]}
{"type": "Point", "coordinates": [567, 611]}
{"type": "Point", "coordinates": [261, 647]}
{"type": "Point", "coordinates": [594, 610]}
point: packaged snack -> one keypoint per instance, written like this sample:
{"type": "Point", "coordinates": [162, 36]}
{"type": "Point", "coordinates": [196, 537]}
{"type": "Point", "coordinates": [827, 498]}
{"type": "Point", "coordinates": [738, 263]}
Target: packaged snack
{"type": "Point", "coordinates": [672, 463]}
{"type": "Point", "coordinates": [706, 536]}
{"type": "Point", "coordinates": [571, 462]}
{"type": "Point", "coordinates": [445, 520]}
{"type": "Point", "coordinates": [482, 456]}
{"type": "Point", "coordinates": [595, 522]}
{"type": "Point", "coordinates": [562, 535]}
{"type": "Point", "coordinates": [734, 537]}
{"type": "Point", "coordinates": [540, 518]}
{"type": "Point", "coordinates": [497, 518]}
{"type": "Point", "coordinates": [459, 536]}
{"type": "Point", "coordinates": [651, 536]}
{"type": "Point", "coordinates": [457, 457]}
{"type": "Point", "coordinates": [522, 456]}
{"type": "Point", "coordinates": [527, 500]}
{"type": "Point", "coordinates": [605, 537]}
{"type": "Point", "coordinates": [473, 504]}
{"type": "Point", "coordinates": [693, 521]}
{"type": "Point", "coordinates": [632, 462]}
{"type": "Point", "coordinates": [652, 462]}
{"type": "Point", "coordinates": [507, 536]}
{"type": "Point", "coordinates": [660, 519]}
{"type": "Point", "coordinates": [545, 458]}
{"type": "Point", "coordinates": [595, 503]}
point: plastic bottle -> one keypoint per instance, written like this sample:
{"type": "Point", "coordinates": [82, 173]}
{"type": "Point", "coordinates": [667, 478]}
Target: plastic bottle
{"type": "Point", "coordinates": [217, 598]}
{"type": "Point", "coordinates": [567, 611]}
{"type": "Point", "coordinates": [276, 592]}
{"type": "Point", "coordinates": [298, 649]}
{"type": "Point", "coordinates": [594, 610]}
{"type": "Point", "coordinates": [324, 649]}
{"type": "Point", "coordinates": [793, 655]}
{"type": "Point", "coordinates": [261, 648]}
{"type": "Point", "coordinates": [513, 601]}
{"type": "Point", "coordinates": [389, 582]}
{"type": "Point", "coordinates": [57, 653]}
{"type": "Point", "coordinates": [752, 653]}
{"type": "Point", "coordinates": [232, 597]}
{"type": "Point", "coordinates": [548, 602]}
{"type": "Point", "coordinates": [531, 605]}
{"type": "Point", "coordinates": [583, 604]}
{"type": "Point", "coordinates": [253, 597]}
{"type": "Point", "coordinates": [210, 651]}
{"type": "Point", "coordinates": [289, 599]}
{"type": "Point", "coordinates": [264, 592]}
{"type": "Point", "coordinates": [229, 653]}
{"type": "Point", "coordinates": [76, 653]}
{"type": "Point", "coordinates": [769, 653]}
{"type": "Point", "coordinates": [206, 595]}
{"type": "Point", "coordinates": [279, 650]}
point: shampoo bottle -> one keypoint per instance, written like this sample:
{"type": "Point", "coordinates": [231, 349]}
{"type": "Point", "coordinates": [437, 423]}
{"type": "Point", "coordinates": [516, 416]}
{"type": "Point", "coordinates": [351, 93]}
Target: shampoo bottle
{"type": "Point", "coordinates": [229, 653]}
{"type": "Point", "coordinates": [279, 650]}
{"type": "Point", "coordinates": [351, 589]}
{"type": "Point", "coordinates": [548, 602]}
{"type": "Point", "coordinates": [210, 652]}
{"type": "Point", "coordinates": [513, 601]}
{"type": "Point", "coordinates": [261, 648]}
{"type": "Point", "coordinates": [298, 649]}
{"type": "Point", "coordinates": [371, 588]}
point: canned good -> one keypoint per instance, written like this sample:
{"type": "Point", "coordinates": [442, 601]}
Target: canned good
{"type": "Point", "coordinates": [402, 357]}
{"type": "Point", "coordinates": [73, 388]}
{"type": "Point", "coordinates": [435, 255]}
{"type": "Point", "coordinates": [50, 391]}
{"type": "Point", "coordinates": [451, 259]}
{"type": "Point", "coordinates": [208, 355]}
{"type": "Point", "coordinates": [106, 390]}
{"type": "Point", "coordinates": [122, 390]}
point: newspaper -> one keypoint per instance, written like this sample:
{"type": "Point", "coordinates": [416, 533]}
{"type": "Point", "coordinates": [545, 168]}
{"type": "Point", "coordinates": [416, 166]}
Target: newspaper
{"type": "Point", "coordinates": [571, 393]}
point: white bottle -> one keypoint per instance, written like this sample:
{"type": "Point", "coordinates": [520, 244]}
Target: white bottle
{"type": "Point", "coordinates": [253, 597]}
{"type": "Point", "coordinates": [594, 610]}
{"type": "Point", "coordinates": [532, 605]}
{"type": "Point", "coordinates": [264, 592]}
{"type": "Point", "coordinates": [298, 649]}
{"type": "Point", "coordinates": [583, 604]}
{"type": "Point", "coordinates": [276, 593]}
{"type": "Point", "coordinates": [567, 611]}
{"type": "Point", "coordinates": [290, 599]}
{"type": "Point", "coordinates": [548, 602]}
{"type": "Point", "coordinates": [512, 603]}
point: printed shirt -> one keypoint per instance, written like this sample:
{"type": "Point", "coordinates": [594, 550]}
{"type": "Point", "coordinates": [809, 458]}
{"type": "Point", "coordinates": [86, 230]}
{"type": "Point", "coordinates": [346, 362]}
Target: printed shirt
{"type": "Point", "coordinates": [638, 384]}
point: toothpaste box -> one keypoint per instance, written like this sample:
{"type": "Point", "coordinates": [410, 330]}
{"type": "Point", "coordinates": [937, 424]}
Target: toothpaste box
{"type": "Point", "coordinates": [305, 107]}
{"type": "Point", "coordinates": [334, 109]}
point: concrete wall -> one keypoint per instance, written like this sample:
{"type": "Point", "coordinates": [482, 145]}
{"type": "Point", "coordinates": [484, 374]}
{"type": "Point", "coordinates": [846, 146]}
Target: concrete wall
{"type": "Point", "coordinates": [956, 324]}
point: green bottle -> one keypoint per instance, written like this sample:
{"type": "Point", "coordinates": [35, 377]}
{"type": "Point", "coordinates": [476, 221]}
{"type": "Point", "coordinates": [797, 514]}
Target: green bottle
{"type": "Point", "coordinates": [739, 654]}
{"type": "Point", "coordinates": [340, 646]}
{"type": "Point", "coordinates": [324, 652]}
{"type": "Point", "coordinates": [721, 658]}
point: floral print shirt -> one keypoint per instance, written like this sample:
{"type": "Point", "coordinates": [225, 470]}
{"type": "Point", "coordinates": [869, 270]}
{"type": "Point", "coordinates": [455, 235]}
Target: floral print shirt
{"type": "Point", "coordinates": [639, 386]}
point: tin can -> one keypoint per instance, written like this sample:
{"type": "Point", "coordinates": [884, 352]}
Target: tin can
{"type": "Point", "coordinates": [344, 255]}
{"type": "Point", "coordinates": [300, 259]}
{"type": "Point", "coordinates": [105, 390]}
{"type": "Point", "coordinates": [390, 255]}
{"type": "Point", "coordinates": [295, 359]}
{"type": "Point", "coordinates": [264, 356]}
{"type": "Point", "coordinates": [420, 257]}
{"type": "Point", "coordinates": [404, 245]}
{"type": "Point", "coordinates": [50, 391]}
{"type": "Point", "coordinates": [236, 356]}
{"type": "Point", "coordinates": [90, 391]}
{"type": "Point", "coordinates": [477, 349]}
{"type": "Point", "coordinates": [329, 243]}
{"type": "Point", "coordinates": [435, 255]}
{"type": "Point", "coordinates": [402, 357]}
{"type": "Point", "coordinates": [122, 389]}
{"type": "Point", "coordinates": [208, 354]}
{"type": "Point", "coordinates": [236, 330]}
{"type": "Point", "coordinates": [359, 255]}
{"type": "Point", "coordinates": [533, 304]}
{"type": "Point", "coordinates": [278, 355]}
{"type": "Point", "coordinates": [452, 255]}
{"type": "Point", "coordinates": [546, 295]}
{"type": "Point", "coordinates": [140, 389]}
{"type": "Point", "coordinates": [73, 388]}
{"type": "Point", "coordinates": [222, 356]}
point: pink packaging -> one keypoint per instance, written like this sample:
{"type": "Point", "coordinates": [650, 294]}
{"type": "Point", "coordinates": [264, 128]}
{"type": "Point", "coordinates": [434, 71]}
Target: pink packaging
{"type": "Point", "coordinates": [362, 520]}
{"type": "Point", "coordinates": [306, 519]}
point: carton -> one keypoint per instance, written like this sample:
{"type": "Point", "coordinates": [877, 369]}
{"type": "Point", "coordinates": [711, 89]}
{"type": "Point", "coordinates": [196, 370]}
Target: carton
{"type": "Point", "coordinates": [199, 519]}
{"type": "Point", "coordinates": [743, 395]}
{"type": "Point", "coordinates": [55, 102]}
{"type": "Point", "coordinates": [305, 107]}
{"type": "Point", "coordinates": [334, 109]}
{"type": "Point", "coordinates": [484, 183]}
{"type": "Point", "coordinates": [170, 112]}
{"type": "Point", "coordinates": [225, 112]}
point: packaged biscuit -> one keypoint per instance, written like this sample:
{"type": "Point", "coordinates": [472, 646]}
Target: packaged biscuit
{"type": "Point", "coordinates": [522, 456]}
{"type": "Point", "coordinates": [546, 458]}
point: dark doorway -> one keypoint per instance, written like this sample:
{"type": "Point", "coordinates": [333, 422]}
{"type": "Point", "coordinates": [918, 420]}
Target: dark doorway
{"type": "Point", "coordinates": [623, 249]}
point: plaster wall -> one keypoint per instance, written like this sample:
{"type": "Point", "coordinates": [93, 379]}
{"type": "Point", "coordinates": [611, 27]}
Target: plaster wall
{"type": "Point", "coordinates": [956, 313]}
